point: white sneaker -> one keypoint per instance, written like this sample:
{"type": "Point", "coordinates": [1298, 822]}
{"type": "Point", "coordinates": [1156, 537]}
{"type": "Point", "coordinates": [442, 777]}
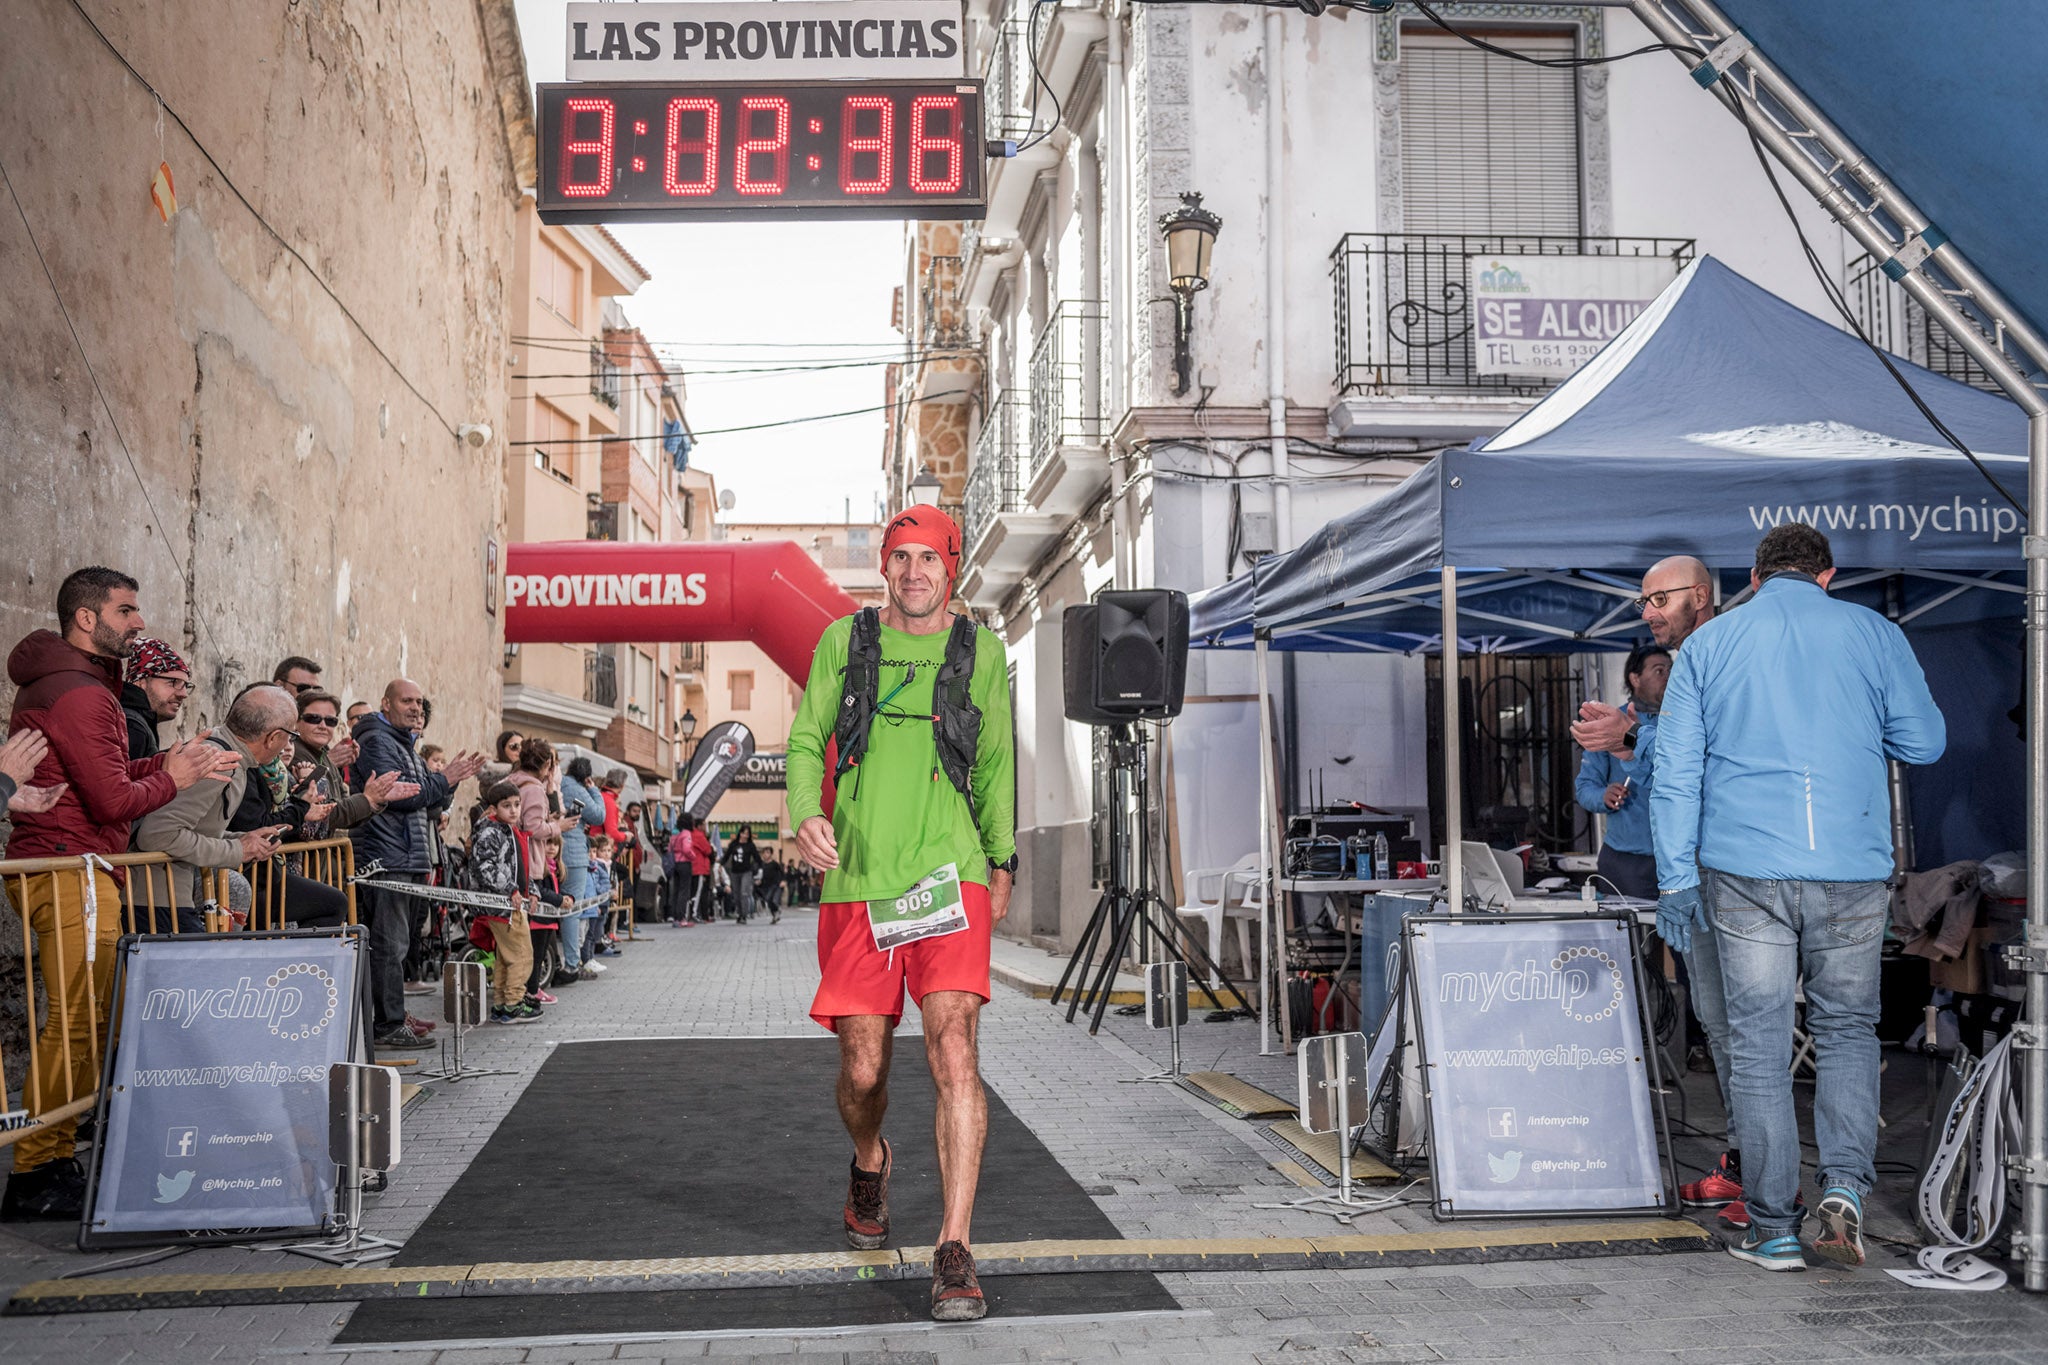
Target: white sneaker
{"type": "Point", "coordinates": [595, 966]}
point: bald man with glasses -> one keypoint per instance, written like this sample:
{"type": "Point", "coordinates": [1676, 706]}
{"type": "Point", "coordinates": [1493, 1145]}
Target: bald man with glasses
{"type": "Point", "coordinates": [1677, 599]}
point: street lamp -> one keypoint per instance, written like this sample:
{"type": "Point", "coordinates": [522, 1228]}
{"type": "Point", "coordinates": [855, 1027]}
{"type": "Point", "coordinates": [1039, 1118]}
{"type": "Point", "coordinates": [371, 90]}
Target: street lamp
{"type": "Point", "coordinates": [1190, 235]}
{"type": "Point", "coordinates": [926, 486]}
{"type": "Point", "coordinates": [686, 725]}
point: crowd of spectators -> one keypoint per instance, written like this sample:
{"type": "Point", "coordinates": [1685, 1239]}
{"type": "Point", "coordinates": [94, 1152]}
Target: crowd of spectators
{"type": "Point", "coordinates": [84, 771]}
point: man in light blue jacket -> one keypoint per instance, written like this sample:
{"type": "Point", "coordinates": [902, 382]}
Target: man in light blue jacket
{"type": "Point", "coordinates": [1771, 815]}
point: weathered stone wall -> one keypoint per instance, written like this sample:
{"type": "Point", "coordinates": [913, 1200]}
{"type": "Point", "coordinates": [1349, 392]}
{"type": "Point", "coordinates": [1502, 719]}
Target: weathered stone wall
{"type": "Point", "coordinates": [287, 357]}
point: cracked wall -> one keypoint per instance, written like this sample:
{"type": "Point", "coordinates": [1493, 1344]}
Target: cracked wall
{"type": "Point", "coordinates": [274, 458]}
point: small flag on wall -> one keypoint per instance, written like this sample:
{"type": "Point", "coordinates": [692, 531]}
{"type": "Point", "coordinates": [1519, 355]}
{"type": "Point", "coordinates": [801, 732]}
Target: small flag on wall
{"type": "Point", "coordinates": [163, 193]}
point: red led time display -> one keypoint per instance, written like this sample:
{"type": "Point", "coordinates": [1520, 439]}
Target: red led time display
{"type": "Point", "coordinates": [824, 149]}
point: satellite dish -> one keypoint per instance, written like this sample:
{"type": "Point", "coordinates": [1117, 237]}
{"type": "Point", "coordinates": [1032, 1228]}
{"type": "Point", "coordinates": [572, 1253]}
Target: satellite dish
{"type": "Point", "coordinates": [726, 500]}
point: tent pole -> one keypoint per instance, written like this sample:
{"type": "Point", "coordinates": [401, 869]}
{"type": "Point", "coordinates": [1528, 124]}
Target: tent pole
{"type": "Point", "coordinates": [1454, 761]}
{"type": "Point", "coordinates": [2034, 1197]}
{"type": "Point", "coordinates": [1266, 870]}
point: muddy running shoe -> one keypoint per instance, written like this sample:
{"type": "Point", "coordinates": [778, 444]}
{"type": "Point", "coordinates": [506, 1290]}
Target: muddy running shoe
{"type": "Point", "coordinates": [867, 1204]}
{"type": "Point", "coordinates": [1841, 1223]}
{"type": "Point", "coordinates": [956, 1292]}
{"type": "Point", "coordinates": [1722, 1185]}
{"type": "Point", "coordinates": [1772, 1253]}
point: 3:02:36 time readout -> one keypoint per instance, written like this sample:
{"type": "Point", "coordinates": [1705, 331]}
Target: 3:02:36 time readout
{"type": "Point", "coordinates": [701, 145]}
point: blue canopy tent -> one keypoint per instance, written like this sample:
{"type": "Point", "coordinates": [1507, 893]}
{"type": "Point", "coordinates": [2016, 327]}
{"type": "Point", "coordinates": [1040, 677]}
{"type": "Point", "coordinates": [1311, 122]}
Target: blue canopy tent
{"type": "Point", "coordinates": [1720, 411]}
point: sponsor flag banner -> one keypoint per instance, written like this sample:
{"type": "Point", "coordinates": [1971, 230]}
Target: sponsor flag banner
{"type": "Point", "coordinates": [1538, 1090]}
{"type": "Point", "coordinates": [1547, 315]}
{"type": "Point", "coordinates": [721, 755]}
{"type": "Point", "coordinates": [214, 1108]}
{"type": "Point", "coordinates": [806, 40]}
{"type": "Point", "coordinates": [764, 772]}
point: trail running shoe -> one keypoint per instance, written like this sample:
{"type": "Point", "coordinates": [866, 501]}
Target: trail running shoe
{"type": "Point", "coordinates": [956, 1291]}
{"type": "Point", "coordinates": [513, 1014]}
{"type": "Point", "coordinates": [401, 1039]}
{"type": "Point", "coordinates": [1717, 1187]}
{"type": "Point", "coordinates": [867, 1204]}
{"type": "Point", "coordinates": [1772, 1253]}
{"type": "Point", "coordinates": [1841, 1223]}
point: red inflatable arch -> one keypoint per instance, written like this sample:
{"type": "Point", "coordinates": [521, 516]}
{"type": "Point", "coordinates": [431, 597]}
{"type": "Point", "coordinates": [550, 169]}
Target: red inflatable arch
{"type": "Point", "coordinates": [592, 591]}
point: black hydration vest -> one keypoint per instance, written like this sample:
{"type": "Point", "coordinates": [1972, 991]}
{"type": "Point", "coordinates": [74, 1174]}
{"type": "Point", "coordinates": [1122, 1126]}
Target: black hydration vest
{"type": "Point", "coordinates": [956, 720]}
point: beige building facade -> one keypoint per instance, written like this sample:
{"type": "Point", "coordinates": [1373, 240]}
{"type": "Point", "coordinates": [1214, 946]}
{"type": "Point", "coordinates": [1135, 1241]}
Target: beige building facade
{"type": "Point", "coordinates": [595, 416]}
{"type": "Point", "coordinates": [254, 259]}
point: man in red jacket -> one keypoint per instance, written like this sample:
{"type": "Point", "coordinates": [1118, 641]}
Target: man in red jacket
{"type": "Point", "coordinates": [70, 690]}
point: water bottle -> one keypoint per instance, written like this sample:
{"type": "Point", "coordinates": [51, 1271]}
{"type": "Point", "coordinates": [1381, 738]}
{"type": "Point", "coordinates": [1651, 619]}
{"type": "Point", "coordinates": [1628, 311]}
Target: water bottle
{"type": "Point", "coordinates": [1382, 868]}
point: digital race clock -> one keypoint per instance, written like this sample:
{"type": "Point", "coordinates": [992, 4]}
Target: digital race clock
{"type": "Point", "coordinates": [795, 149]}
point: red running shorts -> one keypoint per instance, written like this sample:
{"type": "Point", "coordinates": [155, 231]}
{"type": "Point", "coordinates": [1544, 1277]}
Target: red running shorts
{"type": "Point", "coordinates": [856, 978]}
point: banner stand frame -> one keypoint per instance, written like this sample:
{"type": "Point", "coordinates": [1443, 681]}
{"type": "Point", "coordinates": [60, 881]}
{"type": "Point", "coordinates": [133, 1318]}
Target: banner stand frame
{"type": "Point", "coordinates": [349, 1246]}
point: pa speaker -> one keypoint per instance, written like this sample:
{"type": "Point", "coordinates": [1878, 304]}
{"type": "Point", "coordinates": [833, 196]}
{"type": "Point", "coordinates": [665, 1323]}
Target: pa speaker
{"type": "Point", "coordinates": [1126, 656]}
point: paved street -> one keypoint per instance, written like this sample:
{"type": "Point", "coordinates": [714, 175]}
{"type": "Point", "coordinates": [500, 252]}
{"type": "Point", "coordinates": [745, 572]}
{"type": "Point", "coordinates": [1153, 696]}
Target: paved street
{"type": "Point", "coordinates": [1158, 1161]}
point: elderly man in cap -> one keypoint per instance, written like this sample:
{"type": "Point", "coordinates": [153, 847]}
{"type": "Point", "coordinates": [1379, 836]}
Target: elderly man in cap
{"type": "Point", "coordinates": [919, 855]}
{"type": "Point", "coordinates": [154, 691]}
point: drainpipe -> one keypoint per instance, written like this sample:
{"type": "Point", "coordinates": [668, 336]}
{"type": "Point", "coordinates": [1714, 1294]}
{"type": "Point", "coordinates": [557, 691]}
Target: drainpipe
{"type": "Point", "coordinates": [1276, 288]}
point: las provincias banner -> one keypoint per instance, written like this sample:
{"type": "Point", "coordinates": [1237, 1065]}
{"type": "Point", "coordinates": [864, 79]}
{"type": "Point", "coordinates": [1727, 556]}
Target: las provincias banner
{"type": "Point", "coordinates": [214, 1108]}
{"type": "Point", "coordinates": [807, 40]}
{"type": "Point", "coordinates": [1532, 1054]}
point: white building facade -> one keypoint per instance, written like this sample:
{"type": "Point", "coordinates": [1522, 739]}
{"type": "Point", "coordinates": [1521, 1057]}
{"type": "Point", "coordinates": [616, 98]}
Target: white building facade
{"type": "Point", "coordinates": [1358, 163]}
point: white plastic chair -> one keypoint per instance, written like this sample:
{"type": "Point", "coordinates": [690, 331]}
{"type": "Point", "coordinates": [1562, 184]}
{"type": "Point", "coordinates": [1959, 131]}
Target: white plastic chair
{"type": "Point", "coordinates": [1236, 893]}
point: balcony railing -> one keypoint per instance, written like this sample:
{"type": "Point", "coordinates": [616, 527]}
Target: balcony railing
{"type": "Point", "coordinates": [1895, 321]}
{"type": "Point", "coordinates": [600, 679]}
{"type": "Point", "coordinates": [941, 313]}
{"type": "Point", "coordinates": [1066, 375]}
{"type": "Point", "coordinates": [995, 481]}
{"type": "Point", "coordinates": [604, 378]}
{"type": "Point", "coordinates": [1008, 82]}
{"type": "Point", "coordinates": [1404, 315]}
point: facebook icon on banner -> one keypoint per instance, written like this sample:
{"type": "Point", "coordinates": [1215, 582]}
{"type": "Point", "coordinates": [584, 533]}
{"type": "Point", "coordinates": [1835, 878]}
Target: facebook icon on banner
{"type": "Point", "coordinates": [181, 1142]}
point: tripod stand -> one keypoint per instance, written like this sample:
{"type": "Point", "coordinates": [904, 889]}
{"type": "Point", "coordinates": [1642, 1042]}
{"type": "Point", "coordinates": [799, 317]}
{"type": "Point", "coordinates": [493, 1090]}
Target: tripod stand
{"type": "Point", "coordinates": [1130, 898]}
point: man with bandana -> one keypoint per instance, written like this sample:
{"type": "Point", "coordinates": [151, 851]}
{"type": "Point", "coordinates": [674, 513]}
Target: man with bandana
{"type": "Point", "coordinates": [158, 683]}
{"type": "Point", "coordinates": [919, 855]}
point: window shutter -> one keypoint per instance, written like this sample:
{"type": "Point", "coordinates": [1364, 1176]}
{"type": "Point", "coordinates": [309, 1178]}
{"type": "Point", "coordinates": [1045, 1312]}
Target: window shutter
{"type": "Point", "coordinates": [1488, 144]}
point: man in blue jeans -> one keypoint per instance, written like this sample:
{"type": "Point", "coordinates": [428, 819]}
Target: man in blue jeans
{"type": "Point", "coordinates": [1771, 817]}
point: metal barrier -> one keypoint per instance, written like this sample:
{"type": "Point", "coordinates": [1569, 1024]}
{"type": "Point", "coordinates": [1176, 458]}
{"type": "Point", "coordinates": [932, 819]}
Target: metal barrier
{"type": "Point", "coordinates": [63, 1068]}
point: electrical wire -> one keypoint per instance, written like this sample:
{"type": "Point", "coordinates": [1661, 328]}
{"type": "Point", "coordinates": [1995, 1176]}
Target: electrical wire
{"type": "Point", "coordinates": [700, 434]}
{"type": "Point", "coordinates": [1038, 79]}
{"type": "Point", "coordinates": [257, 214]}
{"type": "Point", "coordinates": [163, 536]}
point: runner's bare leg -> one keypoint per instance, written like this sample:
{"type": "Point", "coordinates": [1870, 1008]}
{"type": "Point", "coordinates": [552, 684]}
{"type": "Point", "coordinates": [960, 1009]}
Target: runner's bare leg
{"type": "Point", "coordinates": [952, 1022]}
{"type": "Point", "coordinates": [865, 1046]}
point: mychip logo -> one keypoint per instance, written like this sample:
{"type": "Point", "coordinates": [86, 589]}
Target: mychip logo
{"type": "Point", "coordinates": [295, 1002]}
{"type": "Point", "coordinates": [1585, 982]}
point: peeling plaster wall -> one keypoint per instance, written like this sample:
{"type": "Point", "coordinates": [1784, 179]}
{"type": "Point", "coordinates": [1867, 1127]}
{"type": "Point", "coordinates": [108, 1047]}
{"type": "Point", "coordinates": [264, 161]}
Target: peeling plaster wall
{"type": "Point", "coordinates": [283, 487]}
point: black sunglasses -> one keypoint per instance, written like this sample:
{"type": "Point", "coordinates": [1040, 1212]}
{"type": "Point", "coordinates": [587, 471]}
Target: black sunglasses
{"type": "Point", "coordinates": [325, 721]}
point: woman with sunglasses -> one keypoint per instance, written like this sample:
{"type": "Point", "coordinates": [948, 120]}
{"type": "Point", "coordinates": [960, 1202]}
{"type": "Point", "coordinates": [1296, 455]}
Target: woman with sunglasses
{"type": "Point", "coordinates": [316, 767]}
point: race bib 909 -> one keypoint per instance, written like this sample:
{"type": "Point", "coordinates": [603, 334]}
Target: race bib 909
{"type": "Point", "coordinates": [928, 910]}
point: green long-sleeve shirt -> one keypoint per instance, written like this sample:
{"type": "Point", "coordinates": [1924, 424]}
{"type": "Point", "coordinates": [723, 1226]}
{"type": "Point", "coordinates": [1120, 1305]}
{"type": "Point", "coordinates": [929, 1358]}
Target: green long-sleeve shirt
{"type": "Point", "coordinates": [897, 816]}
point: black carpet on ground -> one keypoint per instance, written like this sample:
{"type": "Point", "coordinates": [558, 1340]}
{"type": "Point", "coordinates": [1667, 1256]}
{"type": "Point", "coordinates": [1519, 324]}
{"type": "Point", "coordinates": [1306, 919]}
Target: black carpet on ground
{"type": "Point", "coordinates": [712, 1147]}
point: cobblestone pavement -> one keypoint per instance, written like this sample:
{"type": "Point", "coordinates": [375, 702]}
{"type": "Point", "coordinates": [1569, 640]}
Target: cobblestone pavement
{"type": "Point", "coordinates": [1157, 1160]}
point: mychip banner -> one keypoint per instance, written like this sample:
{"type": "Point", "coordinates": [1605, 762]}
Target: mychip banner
{"type": "Point", "coordinates": [1532, 1052]}
{"type": "Point", "coordinates": [214, 1114]}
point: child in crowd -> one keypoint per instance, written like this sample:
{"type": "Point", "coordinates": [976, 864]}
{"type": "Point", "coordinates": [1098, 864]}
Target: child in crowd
{"type": "Point", "coordinates": [496, 867]}
{"type": "Point", "coordinates": [600, 886]}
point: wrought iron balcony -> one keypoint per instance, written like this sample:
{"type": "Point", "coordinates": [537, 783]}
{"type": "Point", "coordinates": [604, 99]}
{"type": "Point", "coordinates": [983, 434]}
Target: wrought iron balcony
{"type": "Point", "coordinates": [1008, 82]}
{"type": "Point", "coordinates": [941, 314]}
{"type": "Point", "coordinates": [1066, 380]}
{"type": "Point", "coordinates": [1894, 321]}
{"type": "Point", "coordinates": [600, 678]}
{"type": "Point", "coordinates": [1404, 315]}
{"type": "Point", "coordinates": [604, 378]}
{"type": "Point", "coordinates": [995, 482]}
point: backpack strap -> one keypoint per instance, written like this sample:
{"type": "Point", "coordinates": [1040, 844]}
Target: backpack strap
{"type": "Point", "coordinates": [860, 682]}
{"type": "Point", "coordinates": [956, 720]}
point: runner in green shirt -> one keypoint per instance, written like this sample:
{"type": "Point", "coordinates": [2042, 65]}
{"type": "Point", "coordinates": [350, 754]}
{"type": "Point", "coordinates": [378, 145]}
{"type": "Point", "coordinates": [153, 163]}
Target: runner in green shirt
{"type": "Point", "coordinates": [917, 873]}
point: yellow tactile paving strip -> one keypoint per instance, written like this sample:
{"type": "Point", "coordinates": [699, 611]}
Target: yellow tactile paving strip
{"type": "Point", "coordinates": [1440, 1245]}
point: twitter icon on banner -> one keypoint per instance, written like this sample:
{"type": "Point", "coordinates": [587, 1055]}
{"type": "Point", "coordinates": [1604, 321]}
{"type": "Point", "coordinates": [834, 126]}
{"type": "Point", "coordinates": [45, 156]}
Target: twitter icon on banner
{"type": "Point", "coordinates": [171, 1188]}
{"type": "Point", "coordinates": [1505, 1167]}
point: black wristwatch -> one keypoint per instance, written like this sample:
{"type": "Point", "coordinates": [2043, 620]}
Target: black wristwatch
{"type": "Point", "coordinates": [1008, 864]}
{"type": "Point", "coordinates": [1628, 741]}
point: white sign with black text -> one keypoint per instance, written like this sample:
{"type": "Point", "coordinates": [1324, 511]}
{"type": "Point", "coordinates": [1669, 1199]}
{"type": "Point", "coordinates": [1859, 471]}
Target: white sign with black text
{"type": "Point", "coordinates": [715, 40]}
{"type": "Point", "coordinates": [1548, 315]}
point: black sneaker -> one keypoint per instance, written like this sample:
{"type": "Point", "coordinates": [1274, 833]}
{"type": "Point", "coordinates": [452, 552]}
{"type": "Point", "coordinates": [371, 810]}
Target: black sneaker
{"type": "Point", "coordinates": [402, 1039]}
{"type": "Point", "coordinates": [53, 1192]}
{"type": "Point", "coordinates": [867, 1204]}
{"type": "Point", "coordinates": [956, 1291]}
